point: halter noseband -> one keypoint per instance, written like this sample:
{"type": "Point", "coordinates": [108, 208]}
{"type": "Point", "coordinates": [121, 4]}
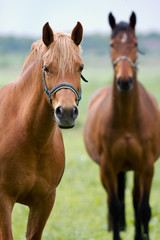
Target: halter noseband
{"type": "Point", "coordinates": [61, 86]}
{"type": "Point", "coordinates": [134, 65]}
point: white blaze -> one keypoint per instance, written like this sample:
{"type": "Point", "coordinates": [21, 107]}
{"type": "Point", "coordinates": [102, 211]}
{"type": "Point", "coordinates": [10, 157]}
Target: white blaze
{"type": "Point", "coordinates": [124, 38]}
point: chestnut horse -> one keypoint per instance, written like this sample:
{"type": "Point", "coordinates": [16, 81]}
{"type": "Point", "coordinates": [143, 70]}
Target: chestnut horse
{"type": "Point", "coordinates": [122, 132]}
{"type": "Point", "coordinates": [32, 156]}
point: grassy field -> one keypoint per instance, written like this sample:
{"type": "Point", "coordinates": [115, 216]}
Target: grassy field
{"type": "Point", "coordinates": [80, 209]}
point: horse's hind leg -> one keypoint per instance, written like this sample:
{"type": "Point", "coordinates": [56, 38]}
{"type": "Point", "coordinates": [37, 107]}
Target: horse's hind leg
{"type": "Point", "coordinates": [38, 217]}
{"type": "Point", "coordinates": [5, 218]}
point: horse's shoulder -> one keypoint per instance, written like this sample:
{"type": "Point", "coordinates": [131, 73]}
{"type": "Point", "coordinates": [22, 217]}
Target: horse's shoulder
{"type": "Point", "coordinates": [148, 96]}
{"type": "Point", "coordinates": [153, 100]}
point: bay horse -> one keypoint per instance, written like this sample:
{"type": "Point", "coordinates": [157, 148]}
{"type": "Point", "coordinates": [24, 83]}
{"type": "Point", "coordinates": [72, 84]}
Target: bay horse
{"type": "Point", "coordinates": [122, 132]}
{"type": "Point", "coordinates": [33, 108]}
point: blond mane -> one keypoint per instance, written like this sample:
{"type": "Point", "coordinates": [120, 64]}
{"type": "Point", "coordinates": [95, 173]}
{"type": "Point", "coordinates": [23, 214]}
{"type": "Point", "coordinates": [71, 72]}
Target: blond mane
{"type": "Point", "coordinates": [63, 52]}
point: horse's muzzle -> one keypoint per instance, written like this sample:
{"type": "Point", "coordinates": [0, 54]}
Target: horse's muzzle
{"type": "Point", "coordinates": [124, 86]}
{"type": "Point", "coordinates": [65, 117]}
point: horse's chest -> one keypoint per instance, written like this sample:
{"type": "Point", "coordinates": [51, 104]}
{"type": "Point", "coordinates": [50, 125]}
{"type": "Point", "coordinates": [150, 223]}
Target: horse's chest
{"type": "Point", "coordinates": [39, 181]}
{"type": "Point", "coordinates": [29, 176]}
{"type": "Point", "coordinates": [127, 151]}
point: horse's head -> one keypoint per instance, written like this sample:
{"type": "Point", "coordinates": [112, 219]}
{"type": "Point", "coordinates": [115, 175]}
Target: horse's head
{"type": "Point", "coordinates": [123, 45]}
{"type": "Point", "coordinates": [62, 67]}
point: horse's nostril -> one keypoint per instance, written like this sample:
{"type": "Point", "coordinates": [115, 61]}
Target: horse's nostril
{"type": "Point", "coordinates": [59, 112]}
{"type": "Point", "coordinates": [130, 80]}
{"type": "Point", "coordinates": [119, 81]}
{"type": "Point", "coordinates": [75, 112]}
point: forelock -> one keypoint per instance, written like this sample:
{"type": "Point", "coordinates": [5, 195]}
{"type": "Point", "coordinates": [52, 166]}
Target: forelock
{"type": "Point", "coordinates": [63, 52]}
{"type": "Point", "coordinates": [122, 26]}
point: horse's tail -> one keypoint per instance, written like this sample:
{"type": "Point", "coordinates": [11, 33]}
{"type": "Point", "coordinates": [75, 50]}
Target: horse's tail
{"type": "Point", "coordinates": [121, 195]}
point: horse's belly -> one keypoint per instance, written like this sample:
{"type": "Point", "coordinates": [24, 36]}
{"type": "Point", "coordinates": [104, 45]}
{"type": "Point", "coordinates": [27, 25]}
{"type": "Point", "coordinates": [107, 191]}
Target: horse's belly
{"type": "Point", "coordinates": [127, 153]}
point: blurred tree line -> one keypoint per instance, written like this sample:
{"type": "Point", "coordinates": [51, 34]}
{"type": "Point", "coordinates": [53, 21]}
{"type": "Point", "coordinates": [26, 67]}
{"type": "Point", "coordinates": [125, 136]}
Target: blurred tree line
{"type": "Point", "coordinates": [95, 43]}
{"type": "Point", "coordinates": [10, 44]}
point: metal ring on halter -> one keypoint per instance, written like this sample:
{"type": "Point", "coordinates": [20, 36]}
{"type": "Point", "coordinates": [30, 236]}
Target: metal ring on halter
{"type": "Point", "coordinates": [134, 65]}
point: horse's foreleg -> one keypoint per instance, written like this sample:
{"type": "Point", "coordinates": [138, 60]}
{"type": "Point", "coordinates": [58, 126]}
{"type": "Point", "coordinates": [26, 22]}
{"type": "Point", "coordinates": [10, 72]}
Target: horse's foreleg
{"type": "Point", "coordinates": [136, 202]}
{"type": "Point", "coordinates": [115, 212]}
{"type": "Point", "coordinates": [141, 192]}
{"type": "Point", "coordinates": [144, 209]}
{"type": "Point", "coordinates": [5, 218]}
{"type": "Point", "coordinates": [38, 217]}
{"type": "Point", "coordinates": [121, 194]}
{"type": "Point", "coordinates": [109, 180]}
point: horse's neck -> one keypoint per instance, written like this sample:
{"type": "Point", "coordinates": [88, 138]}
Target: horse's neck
{"type": "Point", "coordinates": [125, 106]}
{"type": "Point", "coordinates": [36, 113]}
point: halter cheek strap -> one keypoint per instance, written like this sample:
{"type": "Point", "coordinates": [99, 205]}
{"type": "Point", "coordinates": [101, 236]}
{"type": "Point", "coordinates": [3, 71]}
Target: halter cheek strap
{"type": "Point", "coordinates": [61, 86]}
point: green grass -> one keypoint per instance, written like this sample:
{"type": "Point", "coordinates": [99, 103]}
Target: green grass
{"type": "Point", "coordinates": [80, 209]}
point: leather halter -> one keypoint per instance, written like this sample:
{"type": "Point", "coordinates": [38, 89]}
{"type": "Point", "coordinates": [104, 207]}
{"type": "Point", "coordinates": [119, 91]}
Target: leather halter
{"type": "Point", "coordinates": [59, 87]}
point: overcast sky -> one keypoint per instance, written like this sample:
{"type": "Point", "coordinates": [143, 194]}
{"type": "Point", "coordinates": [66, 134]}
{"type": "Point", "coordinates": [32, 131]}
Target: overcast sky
{"type": "Point", "coordinates": [27, 17]}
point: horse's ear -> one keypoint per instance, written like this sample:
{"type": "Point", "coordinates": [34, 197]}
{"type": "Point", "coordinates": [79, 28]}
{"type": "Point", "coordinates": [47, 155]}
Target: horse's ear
{"type": "Point", "coordinates": [112, 20]}
{"type": "Point", "coordinates": [133, 20]}
{"type": "Point", "coordinates": [47, 35]}
{"type": "Point", "coordinates": [77, 33]}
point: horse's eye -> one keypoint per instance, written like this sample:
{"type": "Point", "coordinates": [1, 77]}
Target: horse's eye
{"type": "Point", "coordinates": [46, 69]}
{"type": "Point", "coordinates": [111, 45]}
{"type": "Point", "coordinates": [136, 44]}
{"type": "Point", "coordinates": [81, 68]}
